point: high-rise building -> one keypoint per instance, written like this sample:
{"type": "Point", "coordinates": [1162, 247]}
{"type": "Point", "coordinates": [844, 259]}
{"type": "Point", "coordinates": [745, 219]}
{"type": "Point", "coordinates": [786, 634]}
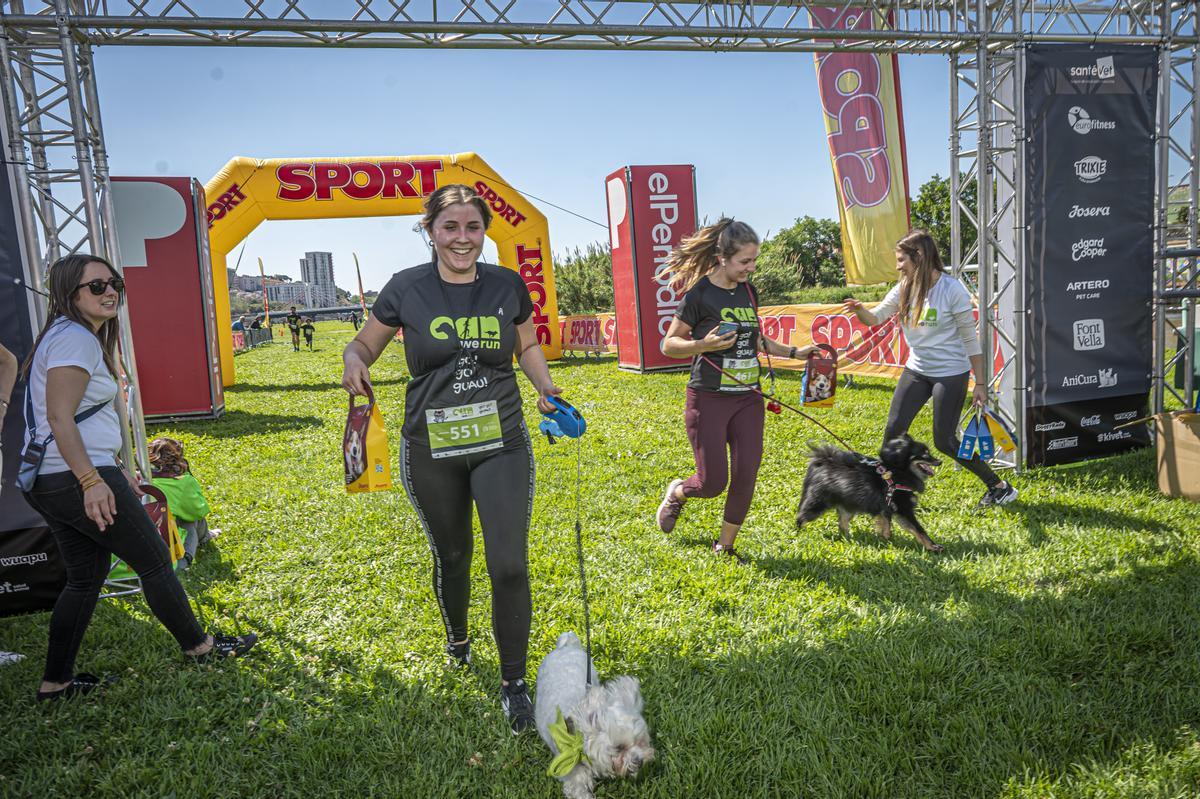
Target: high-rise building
{"type": "Point", "coordinates": [299, 294]}
{"type": "Point", "coordinates": [316, 269]}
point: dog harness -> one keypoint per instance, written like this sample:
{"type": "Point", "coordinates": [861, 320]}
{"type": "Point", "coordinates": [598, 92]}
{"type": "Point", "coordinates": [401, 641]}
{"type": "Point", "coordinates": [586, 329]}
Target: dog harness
{"type": "Point", "coordinates": [886, 475]}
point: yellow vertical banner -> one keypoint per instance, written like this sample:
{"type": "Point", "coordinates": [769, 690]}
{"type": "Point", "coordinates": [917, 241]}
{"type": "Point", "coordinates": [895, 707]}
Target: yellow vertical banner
{"type": "Point", "coordinates": [864, 122]}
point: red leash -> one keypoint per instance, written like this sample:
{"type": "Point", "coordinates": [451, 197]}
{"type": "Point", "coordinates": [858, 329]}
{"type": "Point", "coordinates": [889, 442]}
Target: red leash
{"type": "Point", "coordinates": [779, 402]}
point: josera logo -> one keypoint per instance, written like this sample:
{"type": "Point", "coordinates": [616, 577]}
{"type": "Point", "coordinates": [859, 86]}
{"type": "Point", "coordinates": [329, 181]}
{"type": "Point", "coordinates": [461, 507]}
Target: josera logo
{"type": "Point", "coordinates": [359, 180]}
{"type": "Point", "coordinates": [499, 204]}
{"type": "Point", "coordinates": [529, 264]}
{"type": "Point", "coordinates": [850, 86]}
{"type": "Point", "coordinates": [225, 203]}
{"type": "Point", "coordinates": [475, 332]}
{"type": "Point", "coordinates": [743, 315]}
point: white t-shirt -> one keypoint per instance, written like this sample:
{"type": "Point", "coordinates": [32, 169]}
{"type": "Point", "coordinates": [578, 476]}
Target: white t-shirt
{"type": "Point", "coordinates": [943, 334]}
{"type": "Point", "coordinates": [68, 343]}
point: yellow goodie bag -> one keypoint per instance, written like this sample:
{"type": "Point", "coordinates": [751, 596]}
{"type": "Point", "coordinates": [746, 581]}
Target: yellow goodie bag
{"type": "Point", "coordinates": [365, 449]}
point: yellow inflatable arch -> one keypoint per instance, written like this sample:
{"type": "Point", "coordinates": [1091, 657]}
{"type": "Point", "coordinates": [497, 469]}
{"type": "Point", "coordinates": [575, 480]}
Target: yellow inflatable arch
{"type": "Point", "coordinates": [248, 191]}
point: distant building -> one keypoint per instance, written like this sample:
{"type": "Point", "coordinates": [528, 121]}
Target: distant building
{"type": "Point", "coordinates": [316, 269]}
{"type": "Point", "coordinates": [298, 294]}
{"type": "Point", "coordinates": [247, 283]}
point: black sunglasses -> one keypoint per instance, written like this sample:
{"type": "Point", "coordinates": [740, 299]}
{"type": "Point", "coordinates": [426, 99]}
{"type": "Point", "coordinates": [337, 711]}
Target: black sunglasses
{"type": "Point", "coordinates": [98, 287]}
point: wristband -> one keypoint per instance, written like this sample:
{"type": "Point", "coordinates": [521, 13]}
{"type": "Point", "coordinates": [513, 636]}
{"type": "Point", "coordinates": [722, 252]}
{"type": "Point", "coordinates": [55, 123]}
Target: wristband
{"type": "Point", "coordinates": [792, 354]}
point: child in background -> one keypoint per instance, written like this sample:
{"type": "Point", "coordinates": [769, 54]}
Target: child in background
{"type": "Point", "coordinates": [307, 328]}
{"type": "Point", "coordinates": [171, 475]}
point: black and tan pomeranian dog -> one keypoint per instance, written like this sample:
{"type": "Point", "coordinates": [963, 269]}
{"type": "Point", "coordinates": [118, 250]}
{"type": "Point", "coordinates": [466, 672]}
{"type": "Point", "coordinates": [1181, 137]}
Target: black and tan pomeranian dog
{"type": "Point", "coordinates": [885, 488]}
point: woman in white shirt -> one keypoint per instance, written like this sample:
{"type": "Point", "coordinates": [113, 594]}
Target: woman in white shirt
{"type": "Point", "coordinates": [89, 501]}
{"type": "Point", "coordinates": [937, 317]}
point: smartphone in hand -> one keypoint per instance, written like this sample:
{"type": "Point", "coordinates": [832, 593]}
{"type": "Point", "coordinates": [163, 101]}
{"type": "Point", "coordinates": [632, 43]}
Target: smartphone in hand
{"type": "Point", "coordinates": [725, 328]}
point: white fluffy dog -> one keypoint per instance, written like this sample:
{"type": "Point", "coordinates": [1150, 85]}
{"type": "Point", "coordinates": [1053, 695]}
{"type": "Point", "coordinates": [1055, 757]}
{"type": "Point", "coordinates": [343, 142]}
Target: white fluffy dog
{"type": "Point", "coordinates": [616, 740]}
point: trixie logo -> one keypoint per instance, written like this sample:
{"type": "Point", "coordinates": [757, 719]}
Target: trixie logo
{"type": "Point", "coordinates": [1115, 435]}
{"type": "Point", "coordinates": [1081, 211]}
{"type": "Point", "coordinates": [1103, 69]}
{"type": "Point", "coordinates": [500, 205]}
{"type": "Point", "coordinates": [225, 202]}
{"type": "Point", "coordinates": [358, 180]}
{"type": "Point", "coordinates": [664, 208]}
{"type": "Point", "coordinates": [529, 265]}
{"type": "Point", "coordinates": [1087, 249]}
{"type": "Point", "coordinates": [1089, 334]}
{"type": "Point", "coordinates": [1090, 421]}
{"type": "Point", "coordinates": [24, 560]}
{"type": "Point", "coordinates": [1046, 427]}
{"type": "Point", "coordinates": [1091, 168]}
{"type": "Point", "coordinates": [850, 84]}
{"type": "Point", "coordinates": [474, 332]}
{"type": "Point", "coordinates": [1063, 443]}
{"type": "Point", "coordinates": [1081, 121]}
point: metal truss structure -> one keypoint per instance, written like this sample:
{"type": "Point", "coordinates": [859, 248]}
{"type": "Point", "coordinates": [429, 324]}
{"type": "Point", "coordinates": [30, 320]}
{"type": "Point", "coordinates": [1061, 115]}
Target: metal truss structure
{"type": "Point", "coordinates": [57, 141]}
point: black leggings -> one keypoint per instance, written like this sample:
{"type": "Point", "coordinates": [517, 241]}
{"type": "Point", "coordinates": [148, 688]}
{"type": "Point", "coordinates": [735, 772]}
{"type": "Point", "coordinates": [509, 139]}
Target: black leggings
{"type": "Point", "coordinates": [912, 392]}
{"type": "Point", "coordinates": [87, 554]}
{"type": "Point", "coordinates": [500, 484]}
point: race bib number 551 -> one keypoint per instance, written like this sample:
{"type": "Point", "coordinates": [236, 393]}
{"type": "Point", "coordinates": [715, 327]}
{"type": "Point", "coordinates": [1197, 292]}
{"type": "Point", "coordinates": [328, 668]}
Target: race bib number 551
{"type": "Point", "coordinates": [464, 429]}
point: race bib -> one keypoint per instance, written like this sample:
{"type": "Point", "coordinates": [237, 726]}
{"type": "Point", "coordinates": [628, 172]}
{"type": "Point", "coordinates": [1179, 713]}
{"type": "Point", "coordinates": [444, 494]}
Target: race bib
{"type": "Point", "coordinates": [464, 429]}
{"type": "Point", "coordinates": [744, 369]}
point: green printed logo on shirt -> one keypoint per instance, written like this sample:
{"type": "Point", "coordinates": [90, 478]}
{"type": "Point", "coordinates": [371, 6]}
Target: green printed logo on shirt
{"type": "Point", "coordinates": [742, 315]}
{"type": "Point", "coordinates": [484, 329]}
{"type": "Point", "coordinates": [929, 317]}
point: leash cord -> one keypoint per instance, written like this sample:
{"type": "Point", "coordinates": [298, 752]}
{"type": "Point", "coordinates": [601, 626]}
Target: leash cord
{"type": "Point", "coordinates": [587, 620]}
{"type": "Point", "coordinates": [759, 392]}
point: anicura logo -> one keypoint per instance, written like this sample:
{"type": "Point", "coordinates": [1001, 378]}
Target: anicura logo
{"type": "Point", "coordinates": [1108, 378]}
{"type": "Point", "coordinates": [1063, 443]}
{"type": "Point", "coordinates": [1081, 121]}
{"type": "Point", "coordinates": [1090, 169]}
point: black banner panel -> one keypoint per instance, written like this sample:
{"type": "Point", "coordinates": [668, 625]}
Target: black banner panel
{"type": "Point", "coordinates": [1089, 248]}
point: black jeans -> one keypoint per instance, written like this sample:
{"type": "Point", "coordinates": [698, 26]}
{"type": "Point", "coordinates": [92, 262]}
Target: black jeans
{"type": "Point", "coordinates": [87, 554]}
{"type": "Point", "coordinates": [948, 393]}
{"type": "Point", "coordinates": [500, 485]}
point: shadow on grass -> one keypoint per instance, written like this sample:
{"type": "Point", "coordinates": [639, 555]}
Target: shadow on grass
{"type": "Point", "coordinates": [1037, 516]}
{"type": "Point", "coordinates": [235, 424]}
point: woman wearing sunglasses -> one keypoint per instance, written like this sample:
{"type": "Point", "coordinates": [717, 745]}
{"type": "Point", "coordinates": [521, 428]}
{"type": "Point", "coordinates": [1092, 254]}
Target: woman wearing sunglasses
{"type": "Point", "coordinates": [88, 499]}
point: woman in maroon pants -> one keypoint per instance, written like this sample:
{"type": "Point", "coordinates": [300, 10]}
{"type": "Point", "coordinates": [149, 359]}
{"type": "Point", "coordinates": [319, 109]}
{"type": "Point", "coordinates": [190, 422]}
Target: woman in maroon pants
{"type": "Point", "coordinates": [717, 325]}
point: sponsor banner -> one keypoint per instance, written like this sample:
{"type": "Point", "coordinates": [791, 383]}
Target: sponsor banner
{"type": "Point", "coordinates": [249, 191]}
{"type": "Point", "coordinates": [1090, 115]}
{"type": "Point", "coordinates": [650, 210]}
{"type": "Point", "coordinates": [168, 288]}
{"type": "Point", "coordinates": [31, 571]}
{"type": "Point", "coordinates": [1075, 431]}
{"type": "Point", "coordinates": [589, 333]}
{"type": "Point", "coordinates": [860, 99]}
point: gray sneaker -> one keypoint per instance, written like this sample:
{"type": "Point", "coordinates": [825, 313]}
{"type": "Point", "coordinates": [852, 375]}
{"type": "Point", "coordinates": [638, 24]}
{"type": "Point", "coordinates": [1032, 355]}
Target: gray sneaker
{"type": "Point", "coordinates": [669, 510]}
{"type": "Point", "coordinates": [999, 494]}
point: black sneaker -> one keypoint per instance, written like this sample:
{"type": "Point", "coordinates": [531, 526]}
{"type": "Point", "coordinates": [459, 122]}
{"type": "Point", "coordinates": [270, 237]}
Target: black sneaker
{"type": "Point", "coordinates": [458, 656]}
{"type": "Point", "coordinates": [999, 494]}
{"type": "Point", "coordinates": [81, 685]}
{"type": "Point", "coordinates": [228, 646]}
{"type": "Point", "coordinates": [514, 700]}
{"type": "Point", "coordinates": [729, 552]}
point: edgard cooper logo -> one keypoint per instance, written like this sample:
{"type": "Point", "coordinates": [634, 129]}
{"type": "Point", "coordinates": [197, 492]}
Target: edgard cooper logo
{"type": "Point", "coordinates": [1091, 168]}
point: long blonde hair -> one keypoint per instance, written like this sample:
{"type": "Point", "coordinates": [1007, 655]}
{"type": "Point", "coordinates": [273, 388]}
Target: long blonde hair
{"type": "Point", "coordinates": [701, 252]}
{"type": "Point", "coordinates": [922, 250]}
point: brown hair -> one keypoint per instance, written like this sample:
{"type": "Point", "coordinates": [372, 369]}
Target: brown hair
{"type": "Point", "coordinates": [64, 278]}
{"type": "Point", "coordinates": [922, 250]}
{"type": "Point", "coordinates": [166, 457]}
{"type": "Point", "coordinates": [449, 195]}
{"type": "Point", "coordinates": [700, 253]}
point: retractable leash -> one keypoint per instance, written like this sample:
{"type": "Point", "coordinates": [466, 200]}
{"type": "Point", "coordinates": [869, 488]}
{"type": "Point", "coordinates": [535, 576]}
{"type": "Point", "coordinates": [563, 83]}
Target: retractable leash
{"type": "Point", "coordinates": [565, 420]}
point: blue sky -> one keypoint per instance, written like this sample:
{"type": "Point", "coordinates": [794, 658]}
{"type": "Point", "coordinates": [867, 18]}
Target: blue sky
{"type": "Point", "coordinates": [553, 124]}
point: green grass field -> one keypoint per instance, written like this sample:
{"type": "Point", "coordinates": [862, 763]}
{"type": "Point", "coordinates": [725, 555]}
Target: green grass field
{"type": "Point", "coordinates": [1052, 650]}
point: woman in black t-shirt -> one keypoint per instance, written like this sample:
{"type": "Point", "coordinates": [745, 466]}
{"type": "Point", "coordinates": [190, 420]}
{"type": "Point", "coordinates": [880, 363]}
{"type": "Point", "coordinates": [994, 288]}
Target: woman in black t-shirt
{"type": "Point", "coordinates": [464, 439]}
{"type": "Point", "coordinates": [724, 415]}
